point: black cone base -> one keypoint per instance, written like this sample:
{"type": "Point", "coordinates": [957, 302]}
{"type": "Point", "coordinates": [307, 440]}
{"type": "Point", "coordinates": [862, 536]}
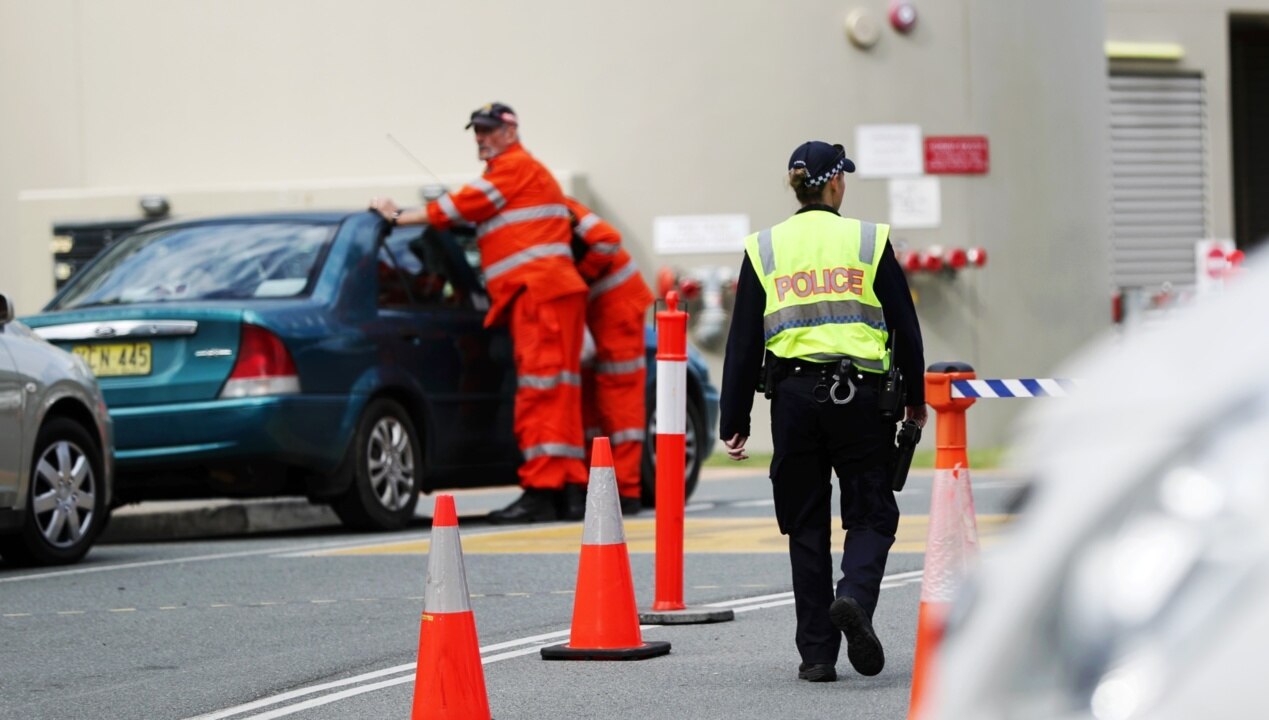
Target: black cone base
{"type": "Point", "coordinates": [686, 616]}
{"type": "Point", "coordinates": [643, 652]}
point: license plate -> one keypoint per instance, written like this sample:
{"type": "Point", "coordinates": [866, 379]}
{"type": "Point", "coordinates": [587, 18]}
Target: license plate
{"type": "Point", "coordinates": [116, 359]}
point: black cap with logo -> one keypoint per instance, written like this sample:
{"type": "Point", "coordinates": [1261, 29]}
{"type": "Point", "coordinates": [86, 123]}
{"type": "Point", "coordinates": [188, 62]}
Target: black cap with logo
{"type": "Point", "coordinates": [492, 115]}
{"type": "Point", "coordinates": [821, 160]}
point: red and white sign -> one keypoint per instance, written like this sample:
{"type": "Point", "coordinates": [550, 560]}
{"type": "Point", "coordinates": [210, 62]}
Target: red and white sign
{"type": "Point", "coordinates": [1215, 261]}
{"type": "Point", "coordinates": [956, 155]}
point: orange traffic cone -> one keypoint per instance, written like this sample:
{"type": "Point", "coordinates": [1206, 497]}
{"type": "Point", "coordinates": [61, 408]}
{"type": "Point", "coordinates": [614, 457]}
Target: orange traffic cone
{"type": "Point", "coordinates": [449, 681]}
{"type": "Point", "coordinates": [951, 545]}
{"type": "Point", "coordinates": [605, 619]}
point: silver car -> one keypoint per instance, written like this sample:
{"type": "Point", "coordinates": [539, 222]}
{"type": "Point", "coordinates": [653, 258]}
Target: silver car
{"type": "Point", "coordinates": [1136, 580]}
{"type": "Point", "coordinates": [55, 450]}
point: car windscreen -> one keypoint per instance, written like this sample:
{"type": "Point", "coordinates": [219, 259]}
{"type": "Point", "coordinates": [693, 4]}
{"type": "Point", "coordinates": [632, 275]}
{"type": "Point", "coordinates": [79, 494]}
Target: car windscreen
{"type": "Point", "coordinates": [230, 261]}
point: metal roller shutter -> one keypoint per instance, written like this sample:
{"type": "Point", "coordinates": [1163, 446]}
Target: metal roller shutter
{"type": "Point", "coordinates": [1158, 178]}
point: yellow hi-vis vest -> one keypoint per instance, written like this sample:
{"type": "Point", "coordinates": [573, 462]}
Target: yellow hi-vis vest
{"type": "Point", "coordinates": [818, 270]}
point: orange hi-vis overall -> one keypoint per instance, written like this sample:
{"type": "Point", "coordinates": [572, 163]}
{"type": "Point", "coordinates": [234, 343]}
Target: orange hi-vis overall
{"type": "Point", "coordinates": [617, 304]}
{"type": "Point", "coordinates": [523, 232]}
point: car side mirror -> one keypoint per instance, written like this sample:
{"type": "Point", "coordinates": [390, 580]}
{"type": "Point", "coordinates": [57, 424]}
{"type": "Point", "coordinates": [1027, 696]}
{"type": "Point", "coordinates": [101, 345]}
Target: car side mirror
{"type": "Point", "coordinates": [6, 309]}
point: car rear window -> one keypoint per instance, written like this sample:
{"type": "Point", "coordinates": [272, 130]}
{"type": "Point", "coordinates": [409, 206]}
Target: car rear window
{"type": "Point", "coordinates": [233, 261]}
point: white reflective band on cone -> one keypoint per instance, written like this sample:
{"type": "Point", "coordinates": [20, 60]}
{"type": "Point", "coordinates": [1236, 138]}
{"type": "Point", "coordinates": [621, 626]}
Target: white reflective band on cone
{"type": "Point", "coordinates": [952, 542]}
{"type": "Point", "coordinates": [603, 509]}
{"type": "Point", "coordinates": [446, 579]}
{"type": "Point", "coordinates": [671, 397]}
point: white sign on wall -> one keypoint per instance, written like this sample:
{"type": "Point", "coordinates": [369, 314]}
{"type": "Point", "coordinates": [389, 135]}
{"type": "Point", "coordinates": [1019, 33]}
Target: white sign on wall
{"type": "Point", "coordinates": [684, 234]}
{"type": "Point", "coordinates": [1214, 261]}
{"type": "Point", "coordinates": [915, 203]}
{"type": "Point", "coordinates": [888, 151]}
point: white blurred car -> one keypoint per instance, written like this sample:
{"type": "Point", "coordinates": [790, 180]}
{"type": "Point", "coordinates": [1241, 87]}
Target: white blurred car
{"type": "Point", "coordinates": [55, 450]}
{"type": "Point", "coordinates": [1136, 581]}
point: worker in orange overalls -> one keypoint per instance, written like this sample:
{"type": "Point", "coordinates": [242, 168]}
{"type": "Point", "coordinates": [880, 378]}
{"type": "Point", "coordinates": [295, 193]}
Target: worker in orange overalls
{"type": "Point", "coordinates": [524, 234]}
{"type": "Point", "coordinates": [615, 311]}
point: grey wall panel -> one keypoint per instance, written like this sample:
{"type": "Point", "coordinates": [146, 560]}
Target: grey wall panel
{"type": "Point", "coordinates": [1159, 202]}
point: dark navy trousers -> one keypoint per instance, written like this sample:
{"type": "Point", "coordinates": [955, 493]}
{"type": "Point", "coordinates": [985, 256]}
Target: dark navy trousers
{"type": "Point", "coordinates": [811, 440]}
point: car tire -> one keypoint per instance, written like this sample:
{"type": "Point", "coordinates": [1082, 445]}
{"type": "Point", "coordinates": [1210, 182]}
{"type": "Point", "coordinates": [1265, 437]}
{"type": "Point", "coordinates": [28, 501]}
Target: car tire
{"type": "Point", "coordinates": [66, 506]}
{"type": "Point", "coordinates": [695, 433]}
{"type": "Point", "coordinates": [387, 470]}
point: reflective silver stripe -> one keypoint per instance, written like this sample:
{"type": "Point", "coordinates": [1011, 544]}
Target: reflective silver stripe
{"type": "Point", "coordinates": [585, 224]}
{"type": "Point", "coordinates": [603, 509]}
{"type": "Point", "coordinates": [628, 436]}
{"type": "Point", "coordinates": [827, 312]}
{"type": "Point", "coordinates": [605, 248]}
{"type": "Point", "coordinates": [867, 242]}
{"type": "Point", "coordinates": [563, 450]}
{"type": "Point", "coordinates": [446, 587]}
{"type": "Point", "coordinates": [625, 273]}
{"type": "Point", "coordinates": [446, 204]}
{"type": "Point", "coordinates": [510, 217]}
{"type": "Point", "coordinates": [528, 255]}
{"type": "Point", "coordinates": [491, 192]}
{"type": "Point", "coordinates": [876, 365]}
{"type": "Point", "coordinates": [622, 367]}
{"type": "Point", "coordinates": [546, 382]}
{"type": "Point", "coordinates": [766, 252]}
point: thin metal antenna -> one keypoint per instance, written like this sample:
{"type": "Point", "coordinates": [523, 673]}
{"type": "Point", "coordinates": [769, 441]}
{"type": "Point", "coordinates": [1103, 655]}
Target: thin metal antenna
{"type": "Point", "coordinates": [412, 156]}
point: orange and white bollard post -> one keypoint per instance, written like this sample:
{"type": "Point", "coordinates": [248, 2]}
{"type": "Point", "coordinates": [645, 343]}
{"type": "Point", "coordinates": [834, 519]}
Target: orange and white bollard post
{"type": "Point", "coordinates": [449, 681]}
{"type": "Point", "coordinates": [671, 463]}
{"type": "Point", "coordinates": [951, 545]}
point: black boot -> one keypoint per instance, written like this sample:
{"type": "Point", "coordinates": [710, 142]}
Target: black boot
{"type": "Point", "coordinates": [533, 506]}
{"type": "Point", "coordinates": [863, 649]}
{"type": "Point", "coordinates": [817, 672]}
{"type": "Point", "coordinates": [631, 505]}
{"type": "Point", "coordinates": [573, 502]}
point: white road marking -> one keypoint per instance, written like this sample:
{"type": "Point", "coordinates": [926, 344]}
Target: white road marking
{"type": "Point", "coordinates": [279, 552]}
{"type": "Point", "coordinates": [513, 649]}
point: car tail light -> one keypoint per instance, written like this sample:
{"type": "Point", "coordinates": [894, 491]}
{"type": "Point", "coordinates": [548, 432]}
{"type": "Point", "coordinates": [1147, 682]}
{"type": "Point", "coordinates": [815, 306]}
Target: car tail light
{"type": "Point", "coordinates": [264, 367]}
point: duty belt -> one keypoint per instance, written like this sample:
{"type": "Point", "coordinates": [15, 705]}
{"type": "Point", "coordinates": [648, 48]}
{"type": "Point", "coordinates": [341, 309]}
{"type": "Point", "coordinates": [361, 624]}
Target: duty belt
{"type": "Point", "coordinates": [840, 373]}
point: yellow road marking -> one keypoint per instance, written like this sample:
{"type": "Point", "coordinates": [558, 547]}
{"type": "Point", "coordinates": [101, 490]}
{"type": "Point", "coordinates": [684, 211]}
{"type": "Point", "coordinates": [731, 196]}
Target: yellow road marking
{"type": "Point", "coordinates": [700, 535]}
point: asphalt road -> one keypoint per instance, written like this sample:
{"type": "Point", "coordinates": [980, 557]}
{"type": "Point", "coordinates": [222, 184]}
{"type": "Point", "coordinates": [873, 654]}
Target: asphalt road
{"type": "Point", "coordinates": [319, 623]}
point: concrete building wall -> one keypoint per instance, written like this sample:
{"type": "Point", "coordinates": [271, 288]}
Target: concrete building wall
{"type": "Point", "coordinates": [655, 108]}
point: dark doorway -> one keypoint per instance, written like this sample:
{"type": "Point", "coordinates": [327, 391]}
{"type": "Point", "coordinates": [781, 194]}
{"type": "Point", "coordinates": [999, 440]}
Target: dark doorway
{"type": "Point", "coordinates": [1249, 117]}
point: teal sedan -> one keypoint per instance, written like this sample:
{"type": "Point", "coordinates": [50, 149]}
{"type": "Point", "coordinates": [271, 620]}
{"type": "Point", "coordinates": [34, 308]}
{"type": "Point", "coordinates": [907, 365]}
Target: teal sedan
{"type": "Point", "coordinates": [311, 354]}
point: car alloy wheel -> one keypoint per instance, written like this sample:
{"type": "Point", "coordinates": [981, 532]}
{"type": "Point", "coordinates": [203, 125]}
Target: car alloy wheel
{"type": "Point", "coordinates": [390, 464]}
{"type": "Point", "coordinates": [66, 507]}
{"type": "Point", "coordinates": [385, 467]}
{"type": "Point", "coordinates": [64, 494]}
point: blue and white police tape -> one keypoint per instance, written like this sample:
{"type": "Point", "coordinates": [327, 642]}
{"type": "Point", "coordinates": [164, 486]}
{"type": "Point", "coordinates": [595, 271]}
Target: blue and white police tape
{"type": "Point", "coordinates": [1013, 388]}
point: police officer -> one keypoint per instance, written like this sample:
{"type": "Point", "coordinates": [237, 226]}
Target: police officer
{"type": "Point", "coordinates": [823, 298]}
